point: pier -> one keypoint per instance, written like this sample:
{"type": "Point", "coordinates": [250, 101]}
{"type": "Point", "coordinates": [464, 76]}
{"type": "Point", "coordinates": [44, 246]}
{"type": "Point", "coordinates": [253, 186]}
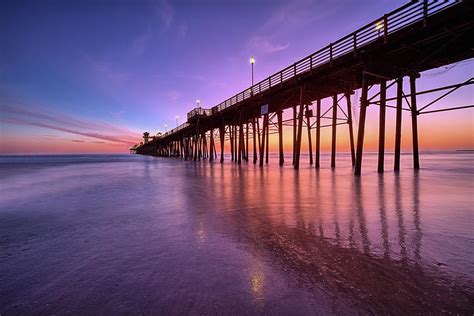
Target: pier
{"type": "Point", "coordinates": [377, 59]}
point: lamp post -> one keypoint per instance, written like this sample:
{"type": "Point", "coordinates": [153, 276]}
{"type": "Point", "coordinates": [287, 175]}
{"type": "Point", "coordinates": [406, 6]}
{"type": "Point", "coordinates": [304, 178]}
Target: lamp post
{"type": "Point", "coordinates": [252, 61]}
{"type": "Point", "coordinates": [177, 120]}
{"type": "Point", "coordinates": [166, 128]}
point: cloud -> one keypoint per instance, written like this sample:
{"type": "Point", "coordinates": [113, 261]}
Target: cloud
{"type": "Point", "coordinates": [285, 20]}
{"type": "Point", "coordinates": [141, 42]}
{"type": "Point", "coordinates": [183, 29]}
{"type": "Point", "coordinates": [106, 71]}
{"type": "Point", "coordinates": [165, 12]}
{"type": "Point", "coordinates": [173, 95]}
{"type": "Point", "coordinates": [264, 44]}
{"type": "Point", "coordinates": [44, 118]}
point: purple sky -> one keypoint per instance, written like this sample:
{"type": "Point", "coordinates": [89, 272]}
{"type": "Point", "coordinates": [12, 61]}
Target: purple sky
{"type": "Point", "coordinates": [76, 74]}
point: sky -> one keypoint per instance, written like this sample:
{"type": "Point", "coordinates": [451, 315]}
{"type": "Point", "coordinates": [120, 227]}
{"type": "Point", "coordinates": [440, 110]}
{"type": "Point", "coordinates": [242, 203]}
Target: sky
{"type": "Point", "coordinates": [92, 76]}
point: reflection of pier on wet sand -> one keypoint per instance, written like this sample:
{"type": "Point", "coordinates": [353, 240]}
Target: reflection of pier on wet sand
{"type": "Point", "coordinates": [379, 272]}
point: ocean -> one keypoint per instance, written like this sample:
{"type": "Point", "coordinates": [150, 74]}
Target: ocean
{"type": "Point", "coordinates": [119, 234]}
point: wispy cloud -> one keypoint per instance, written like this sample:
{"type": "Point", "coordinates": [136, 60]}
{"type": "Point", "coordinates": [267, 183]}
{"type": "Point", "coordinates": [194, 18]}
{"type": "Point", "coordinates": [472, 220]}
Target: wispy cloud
{"type": "Point", "coordinates": [165, 13]}
{"type": "Point", "coordinates": [288, 18]}
{"type": "Point", "coordinates": [141, 42]}
{"type": "Point", "coordinates": [45, 118]}
{"type": "Point", "coordinates": [172, 95]}
{"type": "Point", "coordinates": [265, 44]}
{"type": "Point", "coordinates": [183, 29]}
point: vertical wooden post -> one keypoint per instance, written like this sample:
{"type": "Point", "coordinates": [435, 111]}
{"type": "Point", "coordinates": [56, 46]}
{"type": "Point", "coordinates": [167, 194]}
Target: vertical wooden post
{"type": "Point", "coordinates": [300, 130]}
{"type": "Point", "coordinates": [398, 124]}
{"type": "Point", "coordinates": [239, 155]}
{"type": "Point", "coordinates": [383, 96]}
{"type": "Point", "coordinates": [334, 122]}
{"type": "Point", "coordinates": [185, 146]}
{"type": "Point", "coordinates": [258, 134]}
{"type": "Point", "coordinates": [203, 146]}
{"type": "Point", "coordinates": [222, 140]}
{"type": "Point", "coordinates": [195, 155]}
{"type": "Point", "coordinates": [308, 124]}
{"type": "Point", "coordinates": [414, 121]}
{"type": "Point", "coordinates": [262, 147]}
{"type": "Point", "coordinates": [318, 132]}
{"type": "Point", "coordinates": [268, 138]}
{"type": "Point", "coordinates": [294, 133]}
{"type": "Point", "coordinates": [247, 142]}
{"type": "Point", "coordinates": [361, 129]}
{"type": "Point", "coordinates": [351, 130]}
{"type": "Point", "coordinates": [231, 132]}
{"type": "Point", "coordinates": [280, 136]}
{"type": "Point", "coordinates": [254, 142]}
{"type": "Point", "coordinates": [236, 149]}
{"type": "Point", "coordinates": [211, 146]}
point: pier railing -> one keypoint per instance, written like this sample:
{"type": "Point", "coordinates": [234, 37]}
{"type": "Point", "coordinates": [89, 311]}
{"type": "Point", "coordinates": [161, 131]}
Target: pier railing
{"type": "Point", "coordinates": [380, 28]}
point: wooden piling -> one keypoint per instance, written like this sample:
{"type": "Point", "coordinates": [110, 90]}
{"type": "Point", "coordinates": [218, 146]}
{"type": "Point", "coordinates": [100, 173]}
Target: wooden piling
{"type": "Point", "coordinates": [294, 133]}
{"type": "Point", "coordinates": [262, 147]}
{"type": "Point", "coordinates": [254, 141]}
{"type": "Point", "coordinates": [382, 108]}
{"type": "Point", "coordinates": [334, 126]}
{"type": "Point", "coordinates": [300, 130]}
{"type": "Point", "coordinates": [361, 129]}
{"type": "Point", "coordinates": [398, 124]}
{"type": "Point", "coordinates": [280, 136]}
{"type": "Point", "coordinates": [247, 142]}
{"type": "Point", "coordinates": [349, 123]}
{"type": "Point", "coordinates": [267, 143]}
{"type": "Point", "coordinates": [222, 140]}
{"type": "Point", "coordinates": [310, 145]}
{"type": "Point", "coordinates": [231, 138]}
{"type": "Point", "coordinates": [414, 120]}
{"type": "Point", "coordinates": [239, 155]}
{"type": "Point", "coordinates": [211, 146]}
{"type": "Point", "coordinates": [318, 132]}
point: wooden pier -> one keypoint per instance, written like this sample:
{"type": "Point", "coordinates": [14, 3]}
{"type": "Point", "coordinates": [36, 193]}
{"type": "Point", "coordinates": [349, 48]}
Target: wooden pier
{"type": "Point", "coordinates": [416, 37]}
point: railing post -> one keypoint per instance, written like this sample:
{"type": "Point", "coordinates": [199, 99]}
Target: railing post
{"type": "Point", "coordinates": [385, 29]}
{"type": "Point", "coordinates": [355, 44]}
{"type": "Point", "coordinates": [425, 13]}
{"type": "Point", "coordinates": [330, 53]}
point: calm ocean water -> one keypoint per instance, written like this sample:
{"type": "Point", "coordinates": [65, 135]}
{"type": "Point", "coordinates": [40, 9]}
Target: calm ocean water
{"type": "Point", "coordinates": [132, 234]}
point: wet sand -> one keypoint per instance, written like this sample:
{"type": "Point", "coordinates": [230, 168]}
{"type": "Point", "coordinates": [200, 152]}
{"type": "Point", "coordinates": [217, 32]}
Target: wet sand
{"type": "Point", "coordinates": [130, 234]}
